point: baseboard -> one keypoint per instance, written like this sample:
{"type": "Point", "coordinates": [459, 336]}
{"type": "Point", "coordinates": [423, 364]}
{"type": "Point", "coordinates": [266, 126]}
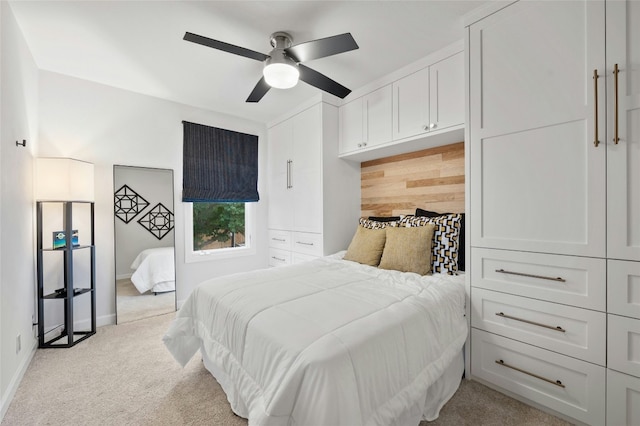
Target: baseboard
{"type": "Point", "coordinates": [123, 276]}
{"type": "Point", "coordinates": [101, 321]}
{"type": "Point", "coordinates": [16, 380]}
{"type": "Point", "coordinates": [179, 303]}
{"type": "Point", "coordinates": [106, 320]}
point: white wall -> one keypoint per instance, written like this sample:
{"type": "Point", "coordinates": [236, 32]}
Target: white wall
{"type": "Point", "coordinates": [19, 120]}
{"type": "Point", "coordinates": [107, 126]}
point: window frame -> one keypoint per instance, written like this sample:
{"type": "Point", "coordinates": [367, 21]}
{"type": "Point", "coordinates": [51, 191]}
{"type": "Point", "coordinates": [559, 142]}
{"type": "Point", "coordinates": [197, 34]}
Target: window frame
{"type": "Point", "coordinates": [192, 256]}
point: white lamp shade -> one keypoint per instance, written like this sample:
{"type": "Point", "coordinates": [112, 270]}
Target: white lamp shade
{"type": "Point", "coordinates": [63, 179]}
{"type": "Point", "coordinates": [281, 75]}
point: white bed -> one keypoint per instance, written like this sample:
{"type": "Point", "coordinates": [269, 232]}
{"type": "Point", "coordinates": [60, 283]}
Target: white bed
{"type": "Point", "coordinates": [154, 270]}
{"type": "Point", "coordinates": [328, 342]}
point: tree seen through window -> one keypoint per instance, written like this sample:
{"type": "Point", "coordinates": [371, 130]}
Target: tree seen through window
{"type": "Point", "coordinates": [218, 225]}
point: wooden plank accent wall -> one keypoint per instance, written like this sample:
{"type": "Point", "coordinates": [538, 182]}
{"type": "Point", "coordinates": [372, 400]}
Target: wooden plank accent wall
{"type": "Point", "coordinates": [432, 179]}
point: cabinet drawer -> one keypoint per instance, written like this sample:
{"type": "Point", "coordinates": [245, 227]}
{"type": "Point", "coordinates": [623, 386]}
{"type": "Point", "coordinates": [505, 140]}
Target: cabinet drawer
{"type": "Point", "coordinates": [567, 385]}
{"type": "Point", "coordinates": [307, 243]}
{"type": "Point", "coordinates": [279, 257]}
{"type": "Point", "coordinates": [623, 288]}
{"type": "Point", "coordinates": [571, 280]}
{"type": "Point", "coordinates": [576, 332]}
{"type": "Point", "coordinates": [280, 239]}
{"type": "Point", "coordinates": [623, 399]}
{"type": "Point", "coordinates": [624, 344]}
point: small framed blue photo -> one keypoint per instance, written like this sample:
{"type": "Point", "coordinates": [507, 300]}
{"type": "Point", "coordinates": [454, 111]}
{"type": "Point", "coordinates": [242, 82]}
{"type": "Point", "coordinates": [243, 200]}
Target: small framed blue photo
{"type": "Point", "coordinates": [60, 241]}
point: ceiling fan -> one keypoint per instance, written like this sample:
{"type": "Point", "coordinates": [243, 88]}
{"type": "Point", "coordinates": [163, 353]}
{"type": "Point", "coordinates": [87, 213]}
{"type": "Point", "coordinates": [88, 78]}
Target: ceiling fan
{"type": "Point", "coordinates": [282, 66]}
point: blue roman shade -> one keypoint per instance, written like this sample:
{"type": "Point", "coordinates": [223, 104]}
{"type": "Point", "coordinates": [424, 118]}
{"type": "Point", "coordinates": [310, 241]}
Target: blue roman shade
{"type": "Point", "coordinates": [219, 166]}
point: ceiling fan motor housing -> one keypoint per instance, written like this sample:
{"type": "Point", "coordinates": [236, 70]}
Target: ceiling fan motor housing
{"type": "Point", "coordinates": [280, 71]}
{"type": "Point", "coordinates": [280, 41]}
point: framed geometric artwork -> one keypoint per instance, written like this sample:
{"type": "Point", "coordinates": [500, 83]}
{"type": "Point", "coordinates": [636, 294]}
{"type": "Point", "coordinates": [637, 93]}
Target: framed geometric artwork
{"type": "Point", "coordinates": [128, 204]}
{"type": "Point", "coordinates": [158, 221]}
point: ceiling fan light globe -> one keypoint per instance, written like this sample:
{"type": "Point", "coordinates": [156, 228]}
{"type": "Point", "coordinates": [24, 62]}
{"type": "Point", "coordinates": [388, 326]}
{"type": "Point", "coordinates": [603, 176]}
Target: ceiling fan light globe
{"type": "Point", "coordinates": [281, 76]}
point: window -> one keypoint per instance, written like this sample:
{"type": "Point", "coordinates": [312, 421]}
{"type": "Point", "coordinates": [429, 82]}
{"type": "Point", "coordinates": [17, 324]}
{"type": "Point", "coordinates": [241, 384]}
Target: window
{"type": "Point", "coordinates": [218, 225]}
{"type": "Point", "coordinates": [218, 230]}
{"type": "Point", "coordinates": [219, 190]}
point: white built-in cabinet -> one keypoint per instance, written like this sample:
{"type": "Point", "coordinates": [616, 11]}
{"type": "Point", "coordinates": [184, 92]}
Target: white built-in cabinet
{"type": "Point", "coordinates": [554, 185]}
{"type": "Point", "coordinates": [428, 102]}
{"type": "Point", "coordinates": [314, 197]}
{"type": "Point", "coordinates": [294, 165]}
{"type": "Point", "coordinates": [623, 158]}
{"type": "Point", "coordinates": [366, 121]}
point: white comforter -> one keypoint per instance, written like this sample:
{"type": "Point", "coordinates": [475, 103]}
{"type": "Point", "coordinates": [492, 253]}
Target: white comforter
{"type": "Point", "coordinates": [154, 270]}
{"type": "Point", "coordinates": [326, 342]}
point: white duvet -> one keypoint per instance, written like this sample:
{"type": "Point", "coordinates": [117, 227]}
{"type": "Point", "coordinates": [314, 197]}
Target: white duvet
{"type": "Point", "coordinates": [154, 270]}
{"type": "Point", "coordinates": [326, 342]}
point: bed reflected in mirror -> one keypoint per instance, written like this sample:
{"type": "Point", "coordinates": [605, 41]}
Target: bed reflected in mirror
{"type": "Point", "coordinates": [144, 242]}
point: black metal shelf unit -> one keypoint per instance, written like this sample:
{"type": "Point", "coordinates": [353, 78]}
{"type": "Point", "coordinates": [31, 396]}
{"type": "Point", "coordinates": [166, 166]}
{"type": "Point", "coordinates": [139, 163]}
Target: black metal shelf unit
{"type": "Point", "coordinates": [68, 337]}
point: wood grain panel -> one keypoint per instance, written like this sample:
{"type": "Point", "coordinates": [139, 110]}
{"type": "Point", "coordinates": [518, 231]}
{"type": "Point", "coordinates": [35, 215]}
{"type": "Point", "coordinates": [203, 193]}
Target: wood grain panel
{"type": "Point", "coordinates": [432, 179]}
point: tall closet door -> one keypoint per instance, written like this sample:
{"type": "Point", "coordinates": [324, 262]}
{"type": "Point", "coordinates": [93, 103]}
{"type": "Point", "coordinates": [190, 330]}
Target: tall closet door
{"type": "Point", "coordinates": [306, 170]}
{"type": "Point", "coordinates": [278, 162]}
{"type": "Point", "coordinates": [537, 178]}
{"type": "Point", "coordinates": [623, 157]}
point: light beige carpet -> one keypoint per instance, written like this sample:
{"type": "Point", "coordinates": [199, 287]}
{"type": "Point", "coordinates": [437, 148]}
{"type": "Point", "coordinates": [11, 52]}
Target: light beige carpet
{"type": "Point", "coordinates": [123, 375]}
{"type": "Point", "coordinates": [133, 306]}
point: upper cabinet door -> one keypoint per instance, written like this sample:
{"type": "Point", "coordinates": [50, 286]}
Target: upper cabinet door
{"type": "Point", "coordinates": [623, 157]}
{"type": "Point", "coordinates": [537, 178]}
{"type": "Point", "coordinates": [377, 115]}
{"type": "Point", "coordinates": [411, 105]}
{"type": "Point", "coordinates": [351, 126]}
{"type": "Point", "coordinates": [446, 93]}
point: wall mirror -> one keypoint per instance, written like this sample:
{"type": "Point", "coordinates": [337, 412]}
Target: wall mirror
{"type": "Point", "coordinates": [144, 242]}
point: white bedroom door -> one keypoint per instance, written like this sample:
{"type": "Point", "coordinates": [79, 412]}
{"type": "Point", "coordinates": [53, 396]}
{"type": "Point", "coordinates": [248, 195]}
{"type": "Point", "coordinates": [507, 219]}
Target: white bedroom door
{"type": "Point", "coordinates": [538, 174]}
{"type": "Point", "coordinates": [623, 130]}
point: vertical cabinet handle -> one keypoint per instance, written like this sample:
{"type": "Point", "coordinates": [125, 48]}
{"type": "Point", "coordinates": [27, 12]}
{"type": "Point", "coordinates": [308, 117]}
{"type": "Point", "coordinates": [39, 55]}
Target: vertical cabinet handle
{"type": "Point", "coordinates": [616, 139]}
{"type": "Point", "coordinates": [596, 142]}
{"type": "Point", "coordinates": [290, 174]}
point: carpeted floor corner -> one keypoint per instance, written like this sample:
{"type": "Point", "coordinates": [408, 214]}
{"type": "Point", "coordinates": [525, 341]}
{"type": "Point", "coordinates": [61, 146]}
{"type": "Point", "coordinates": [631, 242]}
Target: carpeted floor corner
{"type": "Point", "coordinates": [124, 375]}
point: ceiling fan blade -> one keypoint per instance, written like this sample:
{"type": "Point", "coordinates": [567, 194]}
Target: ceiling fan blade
{"type": "Point", "coordinates": [259, 91]}
{"type": "Point", "coordinates": [322, 47]}
{"type": "Point", "coordinates": [226, 47]}
{"type": "Point", "coordinates": [322, 82]}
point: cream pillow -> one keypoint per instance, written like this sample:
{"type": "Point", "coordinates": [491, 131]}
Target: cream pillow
{"type": "Point", "coordinates": [366, 246]}
{"type": "Point", "coordinates": [408, 249]}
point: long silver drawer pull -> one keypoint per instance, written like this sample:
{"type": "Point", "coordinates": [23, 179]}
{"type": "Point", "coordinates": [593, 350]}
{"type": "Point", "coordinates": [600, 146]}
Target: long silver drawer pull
{"type": "Point", "coordinates": [550, 327]}
{"type": "Point", "coordinates": [277, 258]}
{"type": "Point", "coordinates": [542, 277]}
{"type": "Point", "coordinates": [279, 239]}
{"type": "Point", "coordinates": [553, 382]}
{"type": "Point", "coordinates": [303, 243]}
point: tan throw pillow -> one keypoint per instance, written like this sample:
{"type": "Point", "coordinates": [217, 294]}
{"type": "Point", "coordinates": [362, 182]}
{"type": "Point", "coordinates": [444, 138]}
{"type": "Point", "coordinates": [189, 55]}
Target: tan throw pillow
{"type": "Point", "coordinates": [366, 246]}
{"type": "Point", "coordinates": [408, 249]}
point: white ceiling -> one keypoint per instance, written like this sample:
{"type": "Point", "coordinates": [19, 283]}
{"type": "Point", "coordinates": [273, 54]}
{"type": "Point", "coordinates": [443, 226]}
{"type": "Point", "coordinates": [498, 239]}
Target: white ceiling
{"type": "Point", "coordinates": [138, 46]}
